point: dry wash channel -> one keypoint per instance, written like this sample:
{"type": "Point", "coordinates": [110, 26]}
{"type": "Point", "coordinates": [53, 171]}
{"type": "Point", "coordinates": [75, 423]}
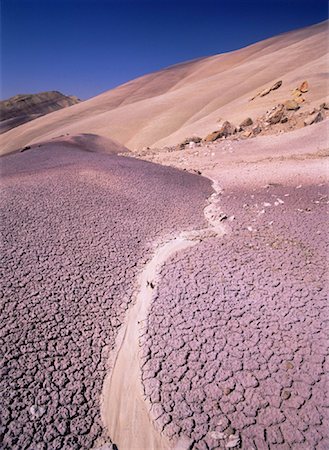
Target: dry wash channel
{"type": "Point", "coordinates": [125, 412]}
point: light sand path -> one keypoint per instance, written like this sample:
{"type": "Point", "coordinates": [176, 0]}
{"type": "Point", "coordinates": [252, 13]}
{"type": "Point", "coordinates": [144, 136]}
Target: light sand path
{"type": "Point", "coordinates": [124, 411]}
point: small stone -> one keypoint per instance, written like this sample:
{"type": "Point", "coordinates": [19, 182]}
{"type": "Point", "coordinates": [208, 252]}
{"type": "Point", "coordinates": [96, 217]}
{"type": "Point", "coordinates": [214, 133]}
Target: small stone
{"type": "Point", "coordinates": [296, 93]}
{"type": "Point", "coordinates": [324, 105]}
{"type": "Point", "coordinates": [276, 85]}
{"type": "Point", "coordinates": [314, 119]}
{"type": "Point", "coordinates": [246, 122]}
{"type": "Point", "coordinates": [285, 395]}
{"type": "Point", "coordinates": [227, 390]}
{"type": "Point", "coordinates": [265, 92]}
{"type": "Point", "coordinates": [289, 365]}
{"type": "Point", "coordinates": [291, 105]}
{"type": "Point", "coordinates": [304, 86]}
{"type": "Point", "coordinates": [284, 119]}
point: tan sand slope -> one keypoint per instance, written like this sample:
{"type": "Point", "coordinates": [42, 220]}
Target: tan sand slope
{"type": "Point", "coordinates": [188, 99]}
{"type": "Point", "coordinates": [25, 107]}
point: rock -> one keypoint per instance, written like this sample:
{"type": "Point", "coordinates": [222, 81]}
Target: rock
{"type": "Point", "coordinates": [284, 119]}
{"type": "Point", "coordinates": [296, 93]}
{"type": "Point", "coordinates": [299, 100]}
{"type": "Point", "coordinates": [265, 92]}
{"type": "Point", "coordinates": [212, 136]}
{"type": "Point", "coordinates": [289, 365]}
{"type": "Point", "coordinates": [304, 86]}
{"type": "Point", "coordinates": [227, 390]}
{"type": "Point", "coordinates": [324, 105]}
{"type": "Point", "coordinates": [285, 395]}
{"type": "Point", "coordinates": [276, 85]}
{"type": "Point", "coordinates": [189, 140]}
{"type": "Point", "coordinates": [318, 117]}
{"type": "Point", "coordinates": [246, 123]}
{"type": "Point", "coordinates": [275, 115]}
{"type": "Point", "coordinates": [246, 134]}
{"type": "Point", "coordinates": [256, 130]}
{"type": "Point", "coordinates": [227, 129]}
{"type": "Point", "coordinates": [291, 105]}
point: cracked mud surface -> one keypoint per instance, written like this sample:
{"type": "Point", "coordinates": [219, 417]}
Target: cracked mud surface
{"type": "Point", "coordinates": [235, 350]}
{"type": "Point", "coordinates": [76, 227]}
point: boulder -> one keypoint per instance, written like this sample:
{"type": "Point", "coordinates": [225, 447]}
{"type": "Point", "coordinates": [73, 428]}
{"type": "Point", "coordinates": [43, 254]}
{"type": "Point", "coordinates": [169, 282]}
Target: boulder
{"type": "Point", "coordinates": [227, 129]}
{"type": "Point", "coordinates": [304, 86]}
{"type": "Point", "coordinates": [276, 85]}
{"type": "Point", "coordinates": [291, 105]}
{"type": "Point", "coordinates": [318, 117]}
{"type": "Point", "coordinates": [275, 117]}
{"type": "Point", "coordinates": [246, 122]}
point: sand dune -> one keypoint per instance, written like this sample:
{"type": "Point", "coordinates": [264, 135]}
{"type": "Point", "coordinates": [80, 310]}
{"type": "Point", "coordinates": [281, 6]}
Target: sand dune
{"type": "Point", "coordinates": [165, 107]}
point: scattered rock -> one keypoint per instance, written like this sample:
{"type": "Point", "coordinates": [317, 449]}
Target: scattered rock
{"type": "Point", "coordinates": [272, 88]}
{"type": "Point", "coordinates": [265, 92]}
{"type": "Point", "coordinates": [276, 85]}
{"type": "Point", "coordinates": [291, 105]}
{"type": "Point", "coordinates": [318, 117]}
{"type": "Point", "coordinates": [227, 130]}
{"type": "Point", "coordinates": [300, 100]}
{"type": "Point", "coordinates": [324, 105]}
{"type": "Point", "coordinates": [246, 123]}
{"type": "Point", "coordinates": [276, 115]}
{"type": "Point", "coordinates": [246, 133]}
{"type": "Point", "coordinates": [256, 130]}
{"type": "Point", "coordinates": [285, 395]}
{"type": "Point", "coordinates": [304, 86]}
{"type": "Point", "coordinates": [227, 390]}
{"type": "Point", "coordinates": [296, 93]}
{"type": "Point", "coordinates": [289, 365]}
{"type": "Point", "coordinates": [25, 148]}
{"type": "Point", "coordinates": [212, 136]}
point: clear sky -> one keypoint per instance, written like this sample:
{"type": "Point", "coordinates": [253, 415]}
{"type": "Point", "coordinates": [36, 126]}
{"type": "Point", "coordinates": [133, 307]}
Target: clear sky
{"type": "Point", "coordinates": [85, 47]}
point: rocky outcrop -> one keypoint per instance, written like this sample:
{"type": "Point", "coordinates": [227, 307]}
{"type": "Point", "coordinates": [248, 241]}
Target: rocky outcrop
{"type": "Point", "coordinates": [22, 108]}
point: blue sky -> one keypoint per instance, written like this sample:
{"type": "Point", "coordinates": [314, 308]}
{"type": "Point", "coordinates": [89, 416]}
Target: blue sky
{"type": "Point", "coordinates": [85, 47]}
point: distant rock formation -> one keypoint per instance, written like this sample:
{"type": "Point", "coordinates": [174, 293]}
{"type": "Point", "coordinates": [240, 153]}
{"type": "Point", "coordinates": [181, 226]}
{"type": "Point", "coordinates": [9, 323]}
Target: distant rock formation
{"type": "Point", "coordinates": [25, 107]}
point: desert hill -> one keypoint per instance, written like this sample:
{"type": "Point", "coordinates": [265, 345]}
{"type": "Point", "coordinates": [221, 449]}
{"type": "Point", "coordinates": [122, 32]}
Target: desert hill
{"type": "Point", "coordinates": [165, 107]}
{"type": "Point", "coordinates": [25, 107]}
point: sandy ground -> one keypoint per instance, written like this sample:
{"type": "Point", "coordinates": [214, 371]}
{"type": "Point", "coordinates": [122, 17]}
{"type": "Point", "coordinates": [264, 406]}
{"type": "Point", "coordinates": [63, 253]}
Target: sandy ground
{"type": "Point", "coordinates": [76, 229]}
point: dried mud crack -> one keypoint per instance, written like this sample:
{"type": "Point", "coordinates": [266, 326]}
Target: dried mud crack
{"type": "Point", "coordinates": [125, 411]}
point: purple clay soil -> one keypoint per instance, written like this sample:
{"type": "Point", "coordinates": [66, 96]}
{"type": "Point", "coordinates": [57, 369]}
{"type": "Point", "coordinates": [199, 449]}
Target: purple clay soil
{"type": "Point", "coordinates": [237, 336]}
{"type": "Point", "coordinates": [76, 228]}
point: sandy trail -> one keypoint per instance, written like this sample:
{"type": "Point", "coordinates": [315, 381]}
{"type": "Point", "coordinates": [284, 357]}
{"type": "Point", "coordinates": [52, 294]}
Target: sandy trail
{"type": "Point", "coordinates": [124, 411]}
